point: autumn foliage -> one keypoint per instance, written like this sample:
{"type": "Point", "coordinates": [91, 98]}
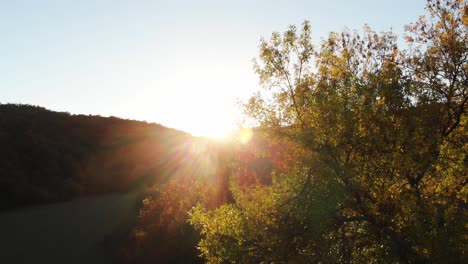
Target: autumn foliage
{"type": "Point", "coordinates": [382, 175]}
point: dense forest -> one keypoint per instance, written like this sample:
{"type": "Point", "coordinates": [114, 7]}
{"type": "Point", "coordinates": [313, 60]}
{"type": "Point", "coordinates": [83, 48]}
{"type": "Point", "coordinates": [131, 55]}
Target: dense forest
{"type": "Point", "coordinates": [51, 156]}
{"type": "Point", "coordinates": [379, 138]}
{"type": "Point", "coordinates": [357, 153]}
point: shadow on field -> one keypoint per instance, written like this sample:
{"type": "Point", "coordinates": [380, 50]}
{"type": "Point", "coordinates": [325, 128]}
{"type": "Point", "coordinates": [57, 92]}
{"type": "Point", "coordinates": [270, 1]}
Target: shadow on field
{"type": "Point", "coordinates": [69, 232]}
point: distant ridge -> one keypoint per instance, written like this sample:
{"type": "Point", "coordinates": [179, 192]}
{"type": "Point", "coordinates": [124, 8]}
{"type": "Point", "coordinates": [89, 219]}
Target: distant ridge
{"type": "Point", "coordinates": [49, 156]}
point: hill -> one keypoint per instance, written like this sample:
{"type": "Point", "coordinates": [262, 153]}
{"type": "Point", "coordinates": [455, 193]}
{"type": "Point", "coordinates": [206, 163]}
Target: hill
{"type": "Point", "coordinates": [49, 156]}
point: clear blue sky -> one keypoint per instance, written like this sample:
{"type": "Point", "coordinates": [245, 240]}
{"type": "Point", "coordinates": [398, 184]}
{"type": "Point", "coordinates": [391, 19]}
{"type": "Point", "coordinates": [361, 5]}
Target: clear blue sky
{"type": "Point", "coordinates": [179, 63]}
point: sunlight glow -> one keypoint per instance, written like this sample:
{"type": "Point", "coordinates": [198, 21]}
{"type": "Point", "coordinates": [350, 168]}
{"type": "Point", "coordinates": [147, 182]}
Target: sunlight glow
{"type": "Point", "coordinates": [217, 128]}
{"type": "Point", "coordinates": [245, 135]}
{"type": "Point", "coordinates": [203, 102]}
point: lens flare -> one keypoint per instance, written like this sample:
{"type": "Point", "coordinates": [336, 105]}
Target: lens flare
{"type": "Point", "coordinates": [245, 135]}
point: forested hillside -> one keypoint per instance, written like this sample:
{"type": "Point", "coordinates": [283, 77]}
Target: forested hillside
{"type": "Point", "coordinates": [357, 153]}
{"type": "Point", "coordinates": [51, 156]}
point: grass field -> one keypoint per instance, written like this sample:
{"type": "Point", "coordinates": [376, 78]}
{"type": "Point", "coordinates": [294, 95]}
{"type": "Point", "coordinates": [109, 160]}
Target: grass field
{"type": "Point", "coordinates": [69, 232]}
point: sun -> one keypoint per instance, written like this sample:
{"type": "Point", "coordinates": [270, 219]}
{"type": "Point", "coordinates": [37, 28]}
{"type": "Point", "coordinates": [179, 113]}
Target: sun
{"type": "Point", "coordinates": [223, 130]}
{"type": "Point", "coordinates": [216, 128]}
{"type": "Point", "coordinates": [216, 131]}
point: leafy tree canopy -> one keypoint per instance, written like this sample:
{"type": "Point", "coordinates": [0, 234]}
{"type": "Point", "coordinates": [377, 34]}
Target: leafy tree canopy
{"type": "Point", "coordinates": [383, 137]}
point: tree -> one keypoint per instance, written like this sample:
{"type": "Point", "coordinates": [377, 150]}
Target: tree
{"type": "Point", "coordinates": [384, 134]}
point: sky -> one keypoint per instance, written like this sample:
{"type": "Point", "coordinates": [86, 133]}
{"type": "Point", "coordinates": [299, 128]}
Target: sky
{"type": "Point", "coordinates": [182, 64]}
